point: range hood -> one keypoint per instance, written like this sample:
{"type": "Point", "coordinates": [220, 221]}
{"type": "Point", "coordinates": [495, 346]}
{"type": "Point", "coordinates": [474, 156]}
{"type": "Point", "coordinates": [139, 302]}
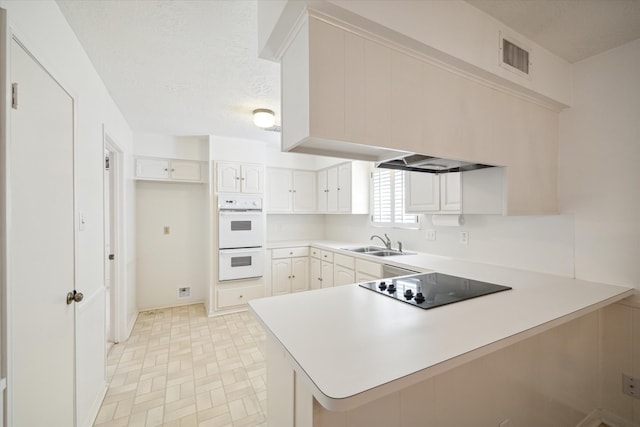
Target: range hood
{"type": "Point", "coordinates": [429, 164]}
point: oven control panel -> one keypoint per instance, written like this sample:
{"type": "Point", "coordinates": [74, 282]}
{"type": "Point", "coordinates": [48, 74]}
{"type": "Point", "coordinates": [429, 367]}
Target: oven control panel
{"type": "Point", "coordinates": [239, 203]}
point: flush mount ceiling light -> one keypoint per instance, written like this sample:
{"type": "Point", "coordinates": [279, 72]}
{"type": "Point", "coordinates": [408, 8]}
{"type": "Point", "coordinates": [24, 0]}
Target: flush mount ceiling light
{"type": "Point", "coordinates": [263, 118]}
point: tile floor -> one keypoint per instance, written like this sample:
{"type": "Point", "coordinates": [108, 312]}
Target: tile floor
{"type": "Point", "coordinates": [180, 368]}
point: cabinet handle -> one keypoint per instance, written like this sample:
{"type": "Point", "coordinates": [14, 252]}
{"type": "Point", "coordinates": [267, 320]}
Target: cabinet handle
{"type": "Point", "coordinates": [289, 277]}
{"type": "Point", "coordinates": [165, 169]}
{"type": "Point", "coordinates": [293, 277]}
{"type": "Point", "coordinates": [173, 170]}
{"type": "Point", "coordinates": [320, 279]}
{"type": "Point", "coordinates": [338, 188]}
{"type": "Point", "coordinates": [290, 191]}
{"type": "Point", "coordinates": [290, 253]}
{"type": "Point", "coordinates": [237, 178]}
{"type": "Point", "coordinates": [242, 178]}
{"type": "Point", "coordinates": [241, 296]}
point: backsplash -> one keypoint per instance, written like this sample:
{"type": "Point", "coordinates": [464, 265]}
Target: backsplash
{"type": "Point", "coordinates": [540, 243]}
{"type": "Point", "coordinates": [294, 227]}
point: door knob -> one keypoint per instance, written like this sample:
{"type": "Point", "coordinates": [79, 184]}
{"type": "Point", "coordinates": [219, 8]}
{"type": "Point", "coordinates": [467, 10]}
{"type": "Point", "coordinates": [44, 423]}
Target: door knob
{"type": "Point", "coordinates": [74, 296]}
{"type": "Point", "coordinates": [112, 257]}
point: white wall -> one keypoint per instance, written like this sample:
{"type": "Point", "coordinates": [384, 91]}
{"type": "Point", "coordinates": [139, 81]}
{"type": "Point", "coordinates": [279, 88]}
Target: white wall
{"type": "Point", "coordinates": [599, 186]}
{"type": "Point", "coordinates": [43, 29]}
{"type": "Point", "coordinates": [537, 243]}
{"type": "Point", "coordinates": [171, 147]}
{"type": "Point", "coordinates": [282, 228]}
{"type": "Point", "coordinates": [600, 166]}
{"type": "Point", "coordinates": [167, 262]}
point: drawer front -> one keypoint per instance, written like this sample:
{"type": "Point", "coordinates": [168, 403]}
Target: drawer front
{"type": "Point", "coordinates": [315, 252]}
{"type": "Point", "coordinates": [230, 297]}
{"type": "Point", "coordinates": [369, 268]}
{"type": "Point", "coordinates": [290, 252]}
{"type": "Point", "coordinates": [363, 277]}
{"type": "Point", "coordinates": [344, 260]}
{"type": "Point", "coordinates": [327, 256]}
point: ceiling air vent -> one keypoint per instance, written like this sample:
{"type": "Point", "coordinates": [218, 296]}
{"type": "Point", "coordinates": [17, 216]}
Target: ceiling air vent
{"type": "Point", "coordinates": [515, 57]}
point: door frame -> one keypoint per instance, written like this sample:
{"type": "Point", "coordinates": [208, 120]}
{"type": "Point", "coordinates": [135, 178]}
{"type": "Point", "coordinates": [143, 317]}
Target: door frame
{"type": "Point", "coordinates": [9, 33]}
{"type": "Point", "coordinates": [118, 294]}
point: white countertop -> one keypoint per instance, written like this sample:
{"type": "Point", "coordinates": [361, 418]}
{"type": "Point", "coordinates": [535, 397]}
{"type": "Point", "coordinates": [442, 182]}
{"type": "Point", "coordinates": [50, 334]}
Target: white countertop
{"type": "Point", "coordinates": [351, 345]}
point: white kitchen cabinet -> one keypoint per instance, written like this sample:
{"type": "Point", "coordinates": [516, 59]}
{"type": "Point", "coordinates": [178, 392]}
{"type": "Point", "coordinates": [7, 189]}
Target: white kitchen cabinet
{"type": "Point", "coordinates": [290, 191]}
{"type": "Point", "coordinates": [343, 269]}
{"type": "Point", "coordinates": [350, 93]}
{"type": "Point", "coordinates": [233, 177]}
{"type": "Point", "coordinates": [321, 268]}
{"type": "Point", "coordinates": [238, 295]}
{"type": "Point", "coordinates": [289, 270]}
{"type": "Point", "coordinates": [474, 192]}
{"type": "Point", "coordinates": [367, 271]}
{"type": "Point", "coordinates": [427, 192]}
{"type": "Point", "coordinates": [344, 188]}
{"type": "Point", "coordinates": [169, 170]}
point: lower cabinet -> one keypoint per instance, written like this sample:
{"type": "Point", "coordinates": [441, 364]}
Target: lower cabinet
{"type": "Point", "coordinates": [289, 270]}
{"type": "Point", "coordinates": [343, 270]}
{"type": "Point", "coordinates": [321, 269]}
{"type": "Point", "coordinates": [367, 271]}
{"type": "Point", "coordinates": [234, 296]}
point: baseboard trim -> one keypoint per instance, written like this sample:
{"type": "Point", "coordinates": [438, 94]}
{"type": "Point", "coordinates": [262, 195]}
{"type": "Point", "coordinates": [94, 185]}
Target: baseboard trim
{"type": "Point", "coordinates": [598, 416]}
{"type": "Point", "coordinates": [95, 408]}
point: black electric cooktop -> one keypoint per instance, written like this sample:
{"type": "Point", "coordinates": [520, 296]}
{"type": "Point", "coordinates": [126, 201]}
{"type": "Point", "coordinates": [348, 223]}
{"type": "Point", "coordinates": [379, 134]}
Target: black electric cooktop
{"type": "Point", "coordinates": [429, 290]}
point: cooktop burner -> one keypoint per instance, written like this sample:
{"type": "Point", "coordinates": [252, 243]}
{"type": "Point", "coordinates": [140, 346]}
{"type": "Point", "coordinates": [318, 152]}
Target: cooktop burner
{"type": "Point", "coordinates": [429, 290]}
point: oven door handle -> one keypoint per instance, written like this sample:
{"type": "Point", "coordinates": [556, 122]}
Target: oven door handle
{"type": "Point", "coordinates": [241, 213]}
{"type": "Point", "coordinates": [241, 251]}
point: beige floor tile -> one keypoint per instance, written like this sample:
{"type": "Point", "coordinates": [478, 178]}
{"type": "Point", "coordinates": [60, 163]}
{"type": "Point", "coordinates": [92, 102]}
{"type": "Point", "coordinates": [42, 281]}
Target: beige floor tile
{"type": "Point", "coordinates": [182, 369]}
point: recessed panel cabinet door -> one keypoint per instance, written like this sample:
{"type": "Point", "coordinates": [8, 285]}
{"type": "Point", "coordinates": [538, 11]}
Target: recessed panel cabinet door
{"type": "Point", "coordinates": [186, 170]}
{"type": "Point", "coordinates": [252, 178]}
{"type": "Point", "coordinates": [315, 273]}
{"type": "Point", "coordinates": [422, 192]}
{"type": "Point", "coordinates": [151, 168]}
{"type": "Point", "coordinates": [344, 187]}
{"type": "Point", "coordinates": [332, 187]}
{"type": "Point", "coordinates": [279, 191]}
{"type": "Point", "coordinates": [40, 239]}
{"type": "Point", "coordinates": [327, 274]}
{"type": "Point", "coordinates": [322, 190]}
{"type": "Point", "coordinates": [228, 177]}
{"type": "Point", "coordinates": [304, 191]}
{"type": "Point", "coordinates": [281, 276]}
{"type": "Point", "coordinates": [300, 274]}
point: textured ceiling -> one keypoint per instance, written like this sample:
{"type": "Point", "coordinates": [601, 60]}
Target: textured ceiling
{"type": "Point", "coordinates": [183, 67]}
{"type": "Point", "coordinates": [180, 67]}
{"type": "Point", "coordinates": [572, 29]}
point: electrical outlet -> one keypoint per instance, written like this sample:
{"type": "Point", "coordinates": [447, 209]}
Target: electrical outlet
{"type": "Point", "coordinates": [184, 292]}
{"type": "Point", "coordinates": [631, 386]}
{"type": "Point", "coordinates": [464, 237]}
{"type": "Point", "coordinates": [431, 235]}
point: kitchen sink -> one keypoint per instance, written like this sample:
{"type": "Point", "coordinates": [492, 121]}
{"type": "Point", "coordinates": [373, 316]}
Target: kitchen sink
{"type": "Point", "coordinates": [366, 249]}
{"type": "Point", "coordinates": [377, 251]}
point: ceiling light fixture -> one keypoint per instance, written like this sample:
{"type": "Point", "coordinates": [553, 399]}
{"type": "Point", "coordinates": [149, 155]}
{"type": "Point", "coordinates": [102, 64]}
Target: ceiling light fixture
{"type": "Point", "coordinates": [263, 118]}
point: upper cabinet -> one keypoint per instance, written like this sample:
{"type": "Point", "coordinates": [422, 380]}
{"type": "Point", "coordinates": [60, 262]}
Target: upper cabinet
{"type": "Point", "coordinates": [353, 94]}
{"type": "Point", "coordinates": [170, 170]}
{"type": "Point", "coordinates": [289, 190]}
{"type": "Point", "coordinates": [344, 188]}
{"type": "Point", "coordinates": [233, 177]}
{"type": "Point", "coordinates": [472, 192]}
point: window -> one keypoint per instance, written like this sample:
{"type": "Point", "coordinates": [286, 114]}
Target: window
{"type": "Point", "coordinates": [387, 189]}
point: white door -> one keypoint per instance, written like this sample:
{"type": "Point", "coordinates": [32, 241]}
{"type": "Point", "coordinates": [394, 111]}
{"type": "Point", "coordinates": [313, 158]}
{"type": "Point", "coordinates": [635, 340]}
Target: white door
{"type": "Point", "coordinates": [278, 190]}
{"type": "Point", "coordinates": [422, 192]}
{"type": "Point", "coordinates": [315, 273]}
{"type": "Point", "coordinates": [327, 274]}
{"type": "Point", "coordinates": [299, 274]}
{"type": "Point", "coordinates": [183, 170]}
{"type": "Point", "coordinates": [343, 276]}
{"type": "Point", "coordinates": [281, 276]}
{"type": "Point", "coordinates": [228, 177]}
{"type": "Point", "coordinates": [451, 192]}
{"type": "Point", "coordinates": [150, 168]}
{"type": "Point", "coordinates": [332, 186]}
{"type": "Point", "coordinates": [322, 190]}
{"type": "Point", "coordinates": [251, 179]}
{"type": "Point", "coordinates": [344, 187]}
{"type": "Point", "coordinates": [304, 191]}
{"type": "Point", "coordinates": [108, 254]}
{"type": "Point", "coordinates": [40, 241]}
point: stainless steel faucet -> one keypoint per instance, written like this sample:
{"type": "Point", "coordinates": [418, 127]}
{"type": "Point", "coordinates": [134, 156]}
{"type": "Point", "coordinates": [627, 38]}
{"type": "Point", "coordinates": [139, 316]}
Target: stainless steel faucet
{"type": "Point", "coordinates": [387, 243]}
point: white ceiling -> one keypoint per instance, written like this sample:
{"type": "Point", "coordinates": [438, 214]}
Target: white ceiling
{"type": "Point", "coordinates": [572, 29]}
{"type": "Point", "coordinates": [180, 67]}
{"type": "Point", "coordinates": [187, 67]}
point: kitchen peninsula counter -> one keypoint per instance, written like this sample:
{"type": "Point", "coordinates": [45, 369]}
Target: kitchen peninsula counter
{"type": "Point", "coordinates": [349, 346]}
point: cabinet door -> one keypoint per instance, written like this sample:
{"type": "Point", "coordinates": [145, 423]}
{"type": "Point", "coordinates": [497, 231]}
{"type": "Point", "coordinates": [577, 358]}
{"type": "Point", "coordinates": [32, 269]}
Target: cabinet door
{"type": "Point", "coordinates": [304, 191]}
{"type": "Point", "coordinates": [315, 273]}
{"type": "Point", "coordinates": [451, 192]}
{"type": "Point", "coordinates": [281, 276]}
{"type": "Point", "coordinates": [343, 275]}
{"type": "Point", "coordinates": [153, 169]}
{"type": "Point", "coordinates": [228, 177]}
{"type": "Point", "coordinates": [332, 187]}
{"type": "Point", "coordinates": [279, 190]}
{"type": "Point", "coordinates": [299, 274]}
{"type": "Point", "coordinates": [422, 192]}
{"type": "Point", "coordinates": [252, 179]}
{"type": "Point", "coordinates": [183, 170]}
{"type": "Point", "coordinates": [327, 274]}
{"type": "Point", "coordinates": [344, 187]}
{"type": "Point", "coordinates": [322, 190]}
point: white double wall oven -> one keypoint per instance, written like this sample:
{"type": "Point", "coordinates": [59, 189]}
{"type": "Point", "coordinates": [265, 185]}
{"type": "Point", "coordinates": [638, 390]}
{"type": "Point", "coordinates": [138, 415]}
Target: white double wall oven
{"type": "Point", "coordinates": [240, 237]}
